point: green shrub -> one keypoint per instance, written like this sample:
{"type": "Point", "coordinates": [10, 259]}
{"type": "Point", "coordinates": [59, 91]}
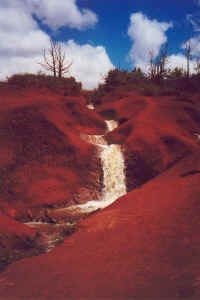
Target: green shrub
{"type": "Point", "coordinates": [117, 80]}
{"type": "Point", "coordinates": [40, 80]}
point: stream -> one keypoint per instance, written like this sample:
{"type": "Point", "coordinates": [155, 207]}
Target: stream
{"type": "Point", "coordinates": [114, 186]}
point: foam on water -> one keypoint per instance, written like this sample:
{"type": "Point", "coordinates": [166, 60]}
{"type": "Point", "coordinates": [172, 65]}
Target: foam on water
{"type": "Point", "coordinates": [113, 172]}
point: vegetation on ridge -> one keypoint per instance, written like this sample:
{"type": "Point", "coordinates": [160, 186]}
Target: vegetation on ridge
{"type": "Point", "coordinates": [27, 80]}
{"type": "Point", "coordinates": [174, 83]}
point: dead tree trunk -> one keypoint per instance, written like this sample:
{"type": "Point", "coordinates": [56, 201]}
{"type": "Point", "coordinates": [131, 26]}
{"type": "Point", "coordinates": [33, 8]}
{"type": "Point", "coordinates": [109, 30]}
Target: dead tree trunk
{"type": "Point", "coordinates": [56, 60]}
{"type": "Point", "coordinates": [158, 63]}
{"type": "Point", "coordinates": [188, 56]}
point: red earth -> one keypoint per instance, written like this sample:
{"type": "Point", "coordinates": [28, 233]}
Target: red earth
{"type": "Point", "coordinates": [155, 132]}
{"type": "Point", "coordinates": [144, 246]}
{"type": "Point", "coordinates": [43, 158]}
{"type": "Point", "coordinates": [11, 227]}
{"type": "Point", "coordinates": [44, 161]}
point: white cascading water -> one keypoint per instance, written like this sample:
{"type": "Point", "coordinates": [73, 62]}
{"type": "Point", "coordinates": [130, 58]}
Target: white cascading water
{"type": "Point", "coordinates": [113, 172]}
{"type": "Point", "coordinates": [113, 180]}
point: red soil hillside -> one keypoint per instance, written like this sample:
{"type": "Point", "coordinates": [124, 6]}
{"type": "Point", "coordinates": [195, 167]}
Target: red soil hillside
{"type": "Point", "coordinates": [10, 227]}
{"type": "Point", "coordinates": [43, 160]}
{"type": "Point", "coordinates": [155, 132]}
{"type": "Point", "coordinates": [16, 238]}
{"type": "Point", "coordinates": [144, 246]}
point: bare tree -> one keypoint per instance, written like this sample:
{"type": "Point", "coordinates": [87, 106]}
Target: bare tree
{"type": "Point", "coordinates": [55, 62]}
{"type": "Point", "coordinates": [50, 62]}
{"type": "Point", "coordinates": [158, 63]}
{"type": "Point", "coordinates": [152, 66]}
{"type": "Point", "coordinates": [188, 56]}
{"type": "Point", "coordinates": [163, 59]}
{"type": "Point", "coordinates": [62, 66]}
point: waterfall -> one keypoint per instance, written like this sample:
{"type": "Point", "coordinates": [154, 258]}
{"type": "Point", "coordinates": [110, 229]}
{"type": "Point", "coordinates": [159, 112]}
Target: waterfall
{"type": "Point", "coordinates": [114, 186]}
{"type": "Point", "coordinates": [114, 182]}
{"type": "Point", "coordinates": [113, 170]}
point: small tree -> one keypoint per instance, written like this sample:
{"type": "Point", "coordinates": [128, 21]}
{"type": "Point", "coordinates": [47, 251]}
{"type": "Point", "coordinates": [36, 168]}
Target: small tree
{"type": "Point", "coordinates": [55, 62]}
{"type": "Point", "coordinates": [136, 73]}
{"type": "Point", "coordinates": [176, 73]}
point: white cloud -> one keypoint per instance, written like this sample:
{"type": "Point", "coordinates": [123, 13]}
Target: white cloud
{"type": "Point", "coordinates": [147, 35]}
{"type": "Point", "coordinates": [17, 42]}
{"type": "Point", "coordinates": [19, 64]}
{"type": "Point", "coordinates": [22, 42]}
{"type": "Point", "coordinates": [195, 46]}
{"type": "Point", "coordinates": [180, 61]}
{"type": "Point", "coordinates": [19, 33]}
{"type": "Point", "coordinates": [90, 63]}
{"type": "Point", "coordinates": [194, 20]}
{"type": "Point", "coordinates": [60, 13]}
{"type": "Point", "coordinates": [55, 13]}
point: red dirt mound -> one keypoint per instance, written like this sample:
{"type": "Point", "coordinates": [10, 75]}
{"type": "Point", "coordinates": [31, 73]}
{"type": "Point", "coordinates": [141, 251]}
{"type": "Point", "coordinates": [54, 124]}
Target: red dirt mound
{"type": "Point", "coordinates": [43, 160]}
{"type": "Point", "coordinates": [155, 132]}
{"type": "Point", "coordinates": [10, 227]}
{"type": "Point", "coordinates": [144, 246]}
{"type": "Point", "coordinates": [14, 237]}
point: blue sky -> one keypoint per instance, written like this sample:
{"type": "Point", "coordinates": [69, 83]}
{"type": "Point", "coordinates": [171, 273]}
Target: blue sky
{"type": "Point", "coordinates": [114, 18]}
{"type": "Point", "coordinates": [97, 35]}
